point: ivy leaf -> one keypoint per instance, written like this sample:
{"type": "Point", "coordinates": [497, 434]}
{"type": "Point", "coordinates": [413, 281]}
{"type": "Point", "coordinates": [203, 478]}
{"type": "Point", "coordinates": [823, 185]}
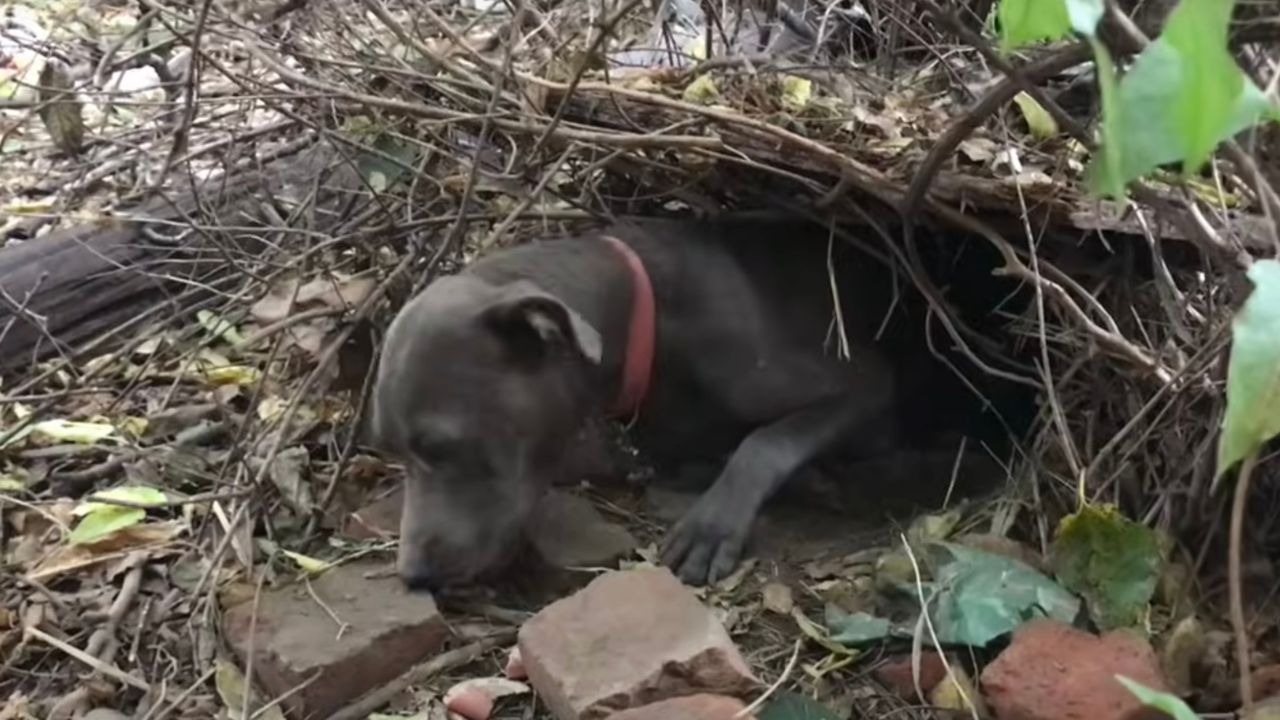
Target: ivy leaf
{"type": "Point", "coordinates": [1211, 81]}
{"type": "Point", "coordinates": [788, 705]}
{"type": "Point", "coordinates": [1027, 21]}
{"type": "Point", "coordinates": [1183, 95]}
{"type": "Point", "coordinates": [1113, 562]}
{"type": "Point", "coordinates": [1253, 373]}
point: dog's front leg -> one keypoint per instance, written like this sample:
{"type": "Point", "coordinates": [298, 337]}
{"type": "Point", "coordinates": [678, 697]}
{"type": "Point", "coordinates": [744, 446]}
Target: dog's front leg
{"type": "Point", "coordinates": [706, 544]}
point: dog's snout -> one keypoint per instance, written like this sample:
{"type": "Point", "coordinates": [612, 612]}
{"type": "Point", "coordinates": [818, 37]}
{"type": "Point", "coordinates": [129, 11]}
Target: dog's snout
{"type": "Point", "coordinates": [421, 579]}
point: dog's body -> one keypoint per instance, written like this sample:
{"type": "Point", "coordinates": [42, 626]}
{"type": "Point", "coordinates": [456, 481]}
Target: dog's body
{"type": "Point", "coordinates": [487, 377]}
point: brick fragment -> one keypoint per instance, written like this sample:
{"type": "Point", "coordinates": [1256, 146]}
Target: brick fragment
{"type": "Point", "coordinates": [387, 631]}
{"type": "Point", "coordinates": [625, 640]}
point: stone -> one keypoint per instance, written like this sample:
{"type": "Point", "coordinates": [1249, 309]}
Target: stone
{"type": "Point", "coordinates": [690, 707]}
{"type": "Point", "coordinates": [895, 674]}
{"type": "Point", "coordinates": [1052, 671]}
{"type": "Point", "coordinates": [629, 639]}
{"type": "Point", "coordinates": [569, 532]}
{"type": "Point", "coordinates": [386, 631]}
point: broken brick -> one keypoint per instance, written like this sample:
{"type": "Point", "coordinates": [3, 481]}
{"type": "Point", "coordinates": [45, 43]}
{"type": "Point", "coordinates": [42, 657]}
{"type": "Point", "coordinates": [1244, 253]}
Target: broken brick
{"type": "Point", "coordinates": [1053, 671]}
{"type": "Point", "coordinates": [689, 707]}
{"type": "Point", "coordinates": [895, 674]}
{"type": "Point", "coordinates": [625, 640]}
{"type": "Point", "coordinates": [386, 630]}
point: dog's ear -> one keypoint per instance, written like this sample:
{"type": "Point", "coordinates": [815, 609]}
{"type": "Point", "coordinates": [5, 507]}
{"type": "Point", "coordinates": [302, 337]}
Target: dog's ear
{"type": "Point", "coordinates": [534, 323]}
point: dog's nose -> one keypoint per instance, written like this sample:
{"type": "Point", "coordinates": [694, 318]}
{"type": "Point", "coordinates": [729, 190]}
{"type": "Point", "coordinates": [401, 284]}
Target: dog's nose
{"type": "Point", "coordinates": [421, 579]}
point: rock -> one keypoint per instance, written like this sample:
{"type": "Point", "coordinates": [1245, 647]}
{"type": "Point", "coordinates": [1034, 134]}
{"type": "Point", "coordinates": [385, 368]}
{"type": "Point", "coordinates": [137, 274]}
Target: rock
{"type": "Point", "coordinates": [387, 630]}
{"type": "Point", "coordinates": [895, 674]}
{"type": "Point", "coordinates": [690, 707]}
{"type": "Point", "coordinates": [625, 640]}
{"type": "Point", "coordinates": [1052, 671]}
{"type": "Point", "coordinates": [569, 532]}
{"type": "Point", "coordinates": [474, 699]}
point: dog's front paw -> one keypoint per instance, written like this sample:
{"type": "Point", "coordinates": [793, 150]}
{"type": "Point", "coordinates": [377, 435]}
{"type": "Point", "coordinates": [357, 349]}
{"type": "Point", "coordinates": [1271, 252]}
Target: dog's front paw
{"type": "Point", "coordinates": [707, 543]}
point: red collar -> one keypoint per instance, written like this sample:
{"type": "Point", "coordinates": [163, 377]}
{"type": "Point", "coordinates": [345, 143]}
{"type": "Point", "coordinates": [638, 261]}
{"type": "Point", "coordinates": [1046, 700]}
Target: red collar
{"type": "Point", "coordinates": [641, 332]}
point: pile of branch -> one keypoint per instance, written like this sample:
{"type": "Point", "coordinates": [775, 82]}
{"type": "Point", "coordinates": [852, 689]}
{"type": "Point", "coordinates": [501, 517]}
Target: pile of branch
{"type": "Point", "coordinates": [376, 144]}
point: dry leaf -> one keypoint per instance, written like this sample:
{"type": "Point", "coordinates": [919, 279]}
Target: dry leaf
{"type": "Point", "coordinates": [956, 692]}
{"type": "Point", "coordinates": [61, 111]}
{"type": "Point", "coordinates": [777, 598]}
{"type": "Point", "coordinates": [153, 537]}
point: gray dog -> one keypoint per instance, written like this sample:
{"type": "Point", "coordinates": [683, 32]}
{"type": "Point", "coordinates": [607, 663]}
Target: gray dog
{"type": "Point", "coordinates": [745, 340]}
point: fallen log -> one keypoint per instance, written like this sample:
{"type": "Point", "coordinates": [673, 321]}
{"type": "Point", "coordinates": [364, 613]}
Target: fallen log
{"type": "Point", "coordinates": [79, 282]}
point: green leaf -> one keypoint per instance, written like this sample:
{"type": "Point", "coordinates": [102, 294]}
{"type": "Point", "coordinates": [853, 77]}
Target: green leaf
{"type": "Point", "coordinates": [136, 494]}
{"type": "Point", "coordinates": [105, 521]}
{"type": "Point", "coordinates": [385, 167]}
{"type": "Point", "coordinates": [219, 327]}
{"type": "Point", "coordinates": [796, 92]}
{"type": "Point", "coordinates": [1110, 560]}
{"type": "Point", "coordinates": [102, 519]}
{"type": "Point", "coordinates": [1085, 15]}
{"type": "Point", "coordinates": [1039, 121]}
{"type": "Point", "coordinates": [1253, 372]}
{"type": "Point", "coordinates": [1158, 113]}
{"type": "Point", "coordinates": [74, 431]}
{"type": "Point", "coordinates": [309, 565]}
{"type": "Point", "coordinates": [1106, 173]}
{"type": "Point", "coordinates": [982, 596]}
{"type": "Point", "coordinates": [10, 483]}
{"type": "Point", "coordinates": [1027, 21]}
{"type": "Point", "coordinates": [787, 705]}
{"type": "Point", "coordinates": [1211, 80]}
{"type": "Point", "coordinates": [856, 628]}
{"type": "Point", "coordinates": [1169, 704]}
{"type": "Point", "coordinates": [702, 90]}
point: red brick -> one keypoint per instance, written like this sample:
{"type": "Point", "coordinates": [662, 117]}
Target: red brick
{"type": "Point", "coordinates": [388, 631]}
{"type": "Point", "coordinates": [1052, 671]}
{"type": "Point", "coordinates": [690, 707]}
{"type": "Point", "coordinates": [629, 639]}
{"type": "Point", "coordinates": [895, 674]}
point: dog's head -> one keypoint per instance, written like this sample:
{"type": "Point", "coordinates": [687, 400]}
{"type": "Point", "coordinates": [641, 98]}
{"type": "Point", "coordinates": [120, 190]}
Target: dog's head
{"type": "Point", "coordinates": [480, 390]}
